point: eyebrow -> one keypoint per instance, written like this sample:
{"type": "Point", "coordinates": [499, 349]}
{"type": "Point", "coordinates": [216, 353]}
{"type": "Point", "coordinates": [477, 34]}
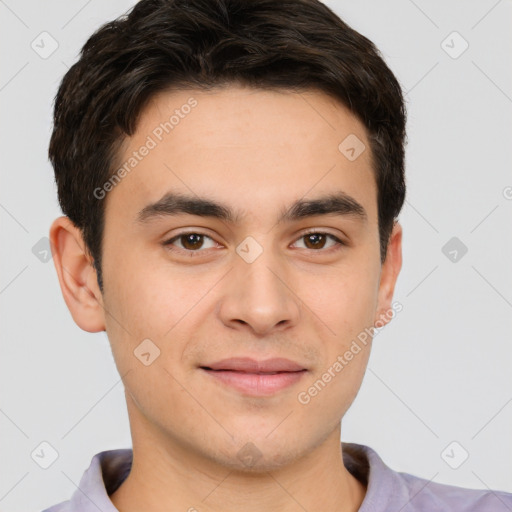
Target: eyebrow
{"type": "Point", "coordinates": [172, 204]}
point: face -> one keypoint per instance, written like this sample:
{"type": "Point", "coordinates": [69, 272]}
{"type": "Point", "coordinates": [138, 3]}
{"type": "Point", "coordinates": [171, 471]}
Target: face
{"type": "Point", "coordinates": [250, 274]}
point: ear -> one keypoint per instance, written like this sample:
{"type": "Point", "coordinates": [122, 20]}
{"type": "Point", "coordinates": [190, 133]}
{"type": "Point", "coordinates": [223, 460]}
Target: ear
{"type": "Point", "coordinates": [77, 276]}
{"type": "Point", "coordinates": [389, 274]}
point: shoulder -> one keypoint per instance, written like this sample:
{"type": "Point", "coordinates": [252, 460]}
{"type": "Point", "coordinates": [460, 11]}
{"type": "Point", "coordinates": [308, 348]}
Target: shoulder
{"type": "Point", "coordinates": [388, 489]}
{"type": "Point", "coordinates": [64, 506]}
{"type": "Point", "coordinates": [106, 472]}
{"type": "Point", "coordinates": [427, 495]}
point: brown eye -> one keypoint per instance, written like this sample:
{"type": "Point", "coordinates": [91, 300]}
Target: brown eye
{"type": "Point", "coordinates": [190, 242]}
{"type": "Point", "coordinates": [317, 240]}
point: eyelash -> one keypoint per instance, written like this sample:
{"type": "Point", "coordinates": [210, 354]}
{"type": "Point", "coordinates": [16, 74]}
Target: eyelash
{"type": "Point", "coordinates": [191, 253]}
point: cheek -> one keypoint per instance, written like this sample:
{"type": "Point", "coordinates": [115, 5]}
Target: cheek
{"type": "Point", "coordinates": [155, 301]}
{"type": "Point", "coordinates": [330, 392]}
{"type": "Point", "coordinates": [134, 310]}
{"type": "Point", "coordinates": [135, 289]}
{"type": "Point", "coordinates": [344, 307]}
{"type": "Point", "coordinates": [345, 301]}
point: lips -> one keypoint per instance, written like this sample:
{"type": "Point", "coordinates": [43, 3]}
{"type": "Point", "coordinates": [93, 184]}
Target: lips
{"type": "Point", "coordinates": [249, 365]}
{"type": "Point", "coordinates": [255, 378]}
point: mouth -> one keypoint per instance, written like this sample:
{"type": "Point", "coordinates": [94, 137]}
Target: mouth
{"type": "Point", "coordinates": [256, 378]}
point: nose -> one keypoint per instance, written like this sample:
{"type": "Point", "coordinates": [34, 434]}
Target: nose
{"type": "Point", "coordinates": [259, 296]}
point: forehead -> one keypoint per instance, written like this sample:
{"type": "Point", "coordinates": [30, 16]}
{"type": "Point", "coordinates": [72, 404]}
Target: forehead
{"type": "Point", "coordinates": [245, 147]}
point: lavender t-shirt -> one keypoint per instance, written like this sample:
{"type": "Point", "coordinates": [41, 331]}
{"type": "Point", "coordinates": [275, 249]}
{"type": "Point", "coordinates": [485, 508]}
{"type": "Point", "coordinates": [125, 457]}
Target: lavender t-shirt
{"type": "Point", "coordinates": [387, 490]}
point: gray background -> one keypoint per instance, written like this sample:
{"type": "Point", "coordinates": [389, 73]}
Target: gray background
{"type": "Point", "coordinates": [439, 373]}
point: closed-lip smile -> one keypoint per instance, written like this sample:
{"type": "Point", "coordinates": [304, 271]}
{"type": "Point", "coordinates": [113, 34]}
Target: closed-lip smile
{"type": "Point", "coordinates": [256, 377]}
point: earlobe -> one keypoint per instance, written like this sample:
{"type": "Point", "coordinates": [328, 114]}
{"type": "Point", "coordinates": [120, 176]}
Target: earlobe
{"type": "Point", "coordinates": [389, 275]}
{"type": "Point", "coordinates": [77, 276]}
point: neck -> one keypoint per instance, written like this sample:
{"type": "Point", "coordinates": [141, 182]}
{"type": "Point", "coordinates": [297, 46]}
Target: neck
{"type": "Point", "coordinates": [165, 474]}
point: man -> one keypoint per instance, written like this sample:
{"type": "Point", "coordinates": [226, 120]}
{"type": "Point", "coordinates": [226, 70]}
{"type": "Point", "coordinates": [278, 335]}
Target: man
{"type": "Point", "coordinates": [231, 174]}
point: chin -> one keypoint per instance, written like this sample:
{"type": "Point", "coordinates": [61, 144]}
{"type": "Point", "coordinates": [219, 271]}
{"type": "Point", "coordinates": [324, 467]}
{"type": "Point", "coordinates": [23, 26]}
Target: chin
{"type": "Point", "coordinates": [258, 453]}
{"type": "Point", "coordinates": [263, 461]}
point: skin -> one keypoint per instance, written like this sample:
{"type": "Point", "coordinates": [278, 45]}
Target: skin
{"type": "Point", "coordinates": [257, 152]}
